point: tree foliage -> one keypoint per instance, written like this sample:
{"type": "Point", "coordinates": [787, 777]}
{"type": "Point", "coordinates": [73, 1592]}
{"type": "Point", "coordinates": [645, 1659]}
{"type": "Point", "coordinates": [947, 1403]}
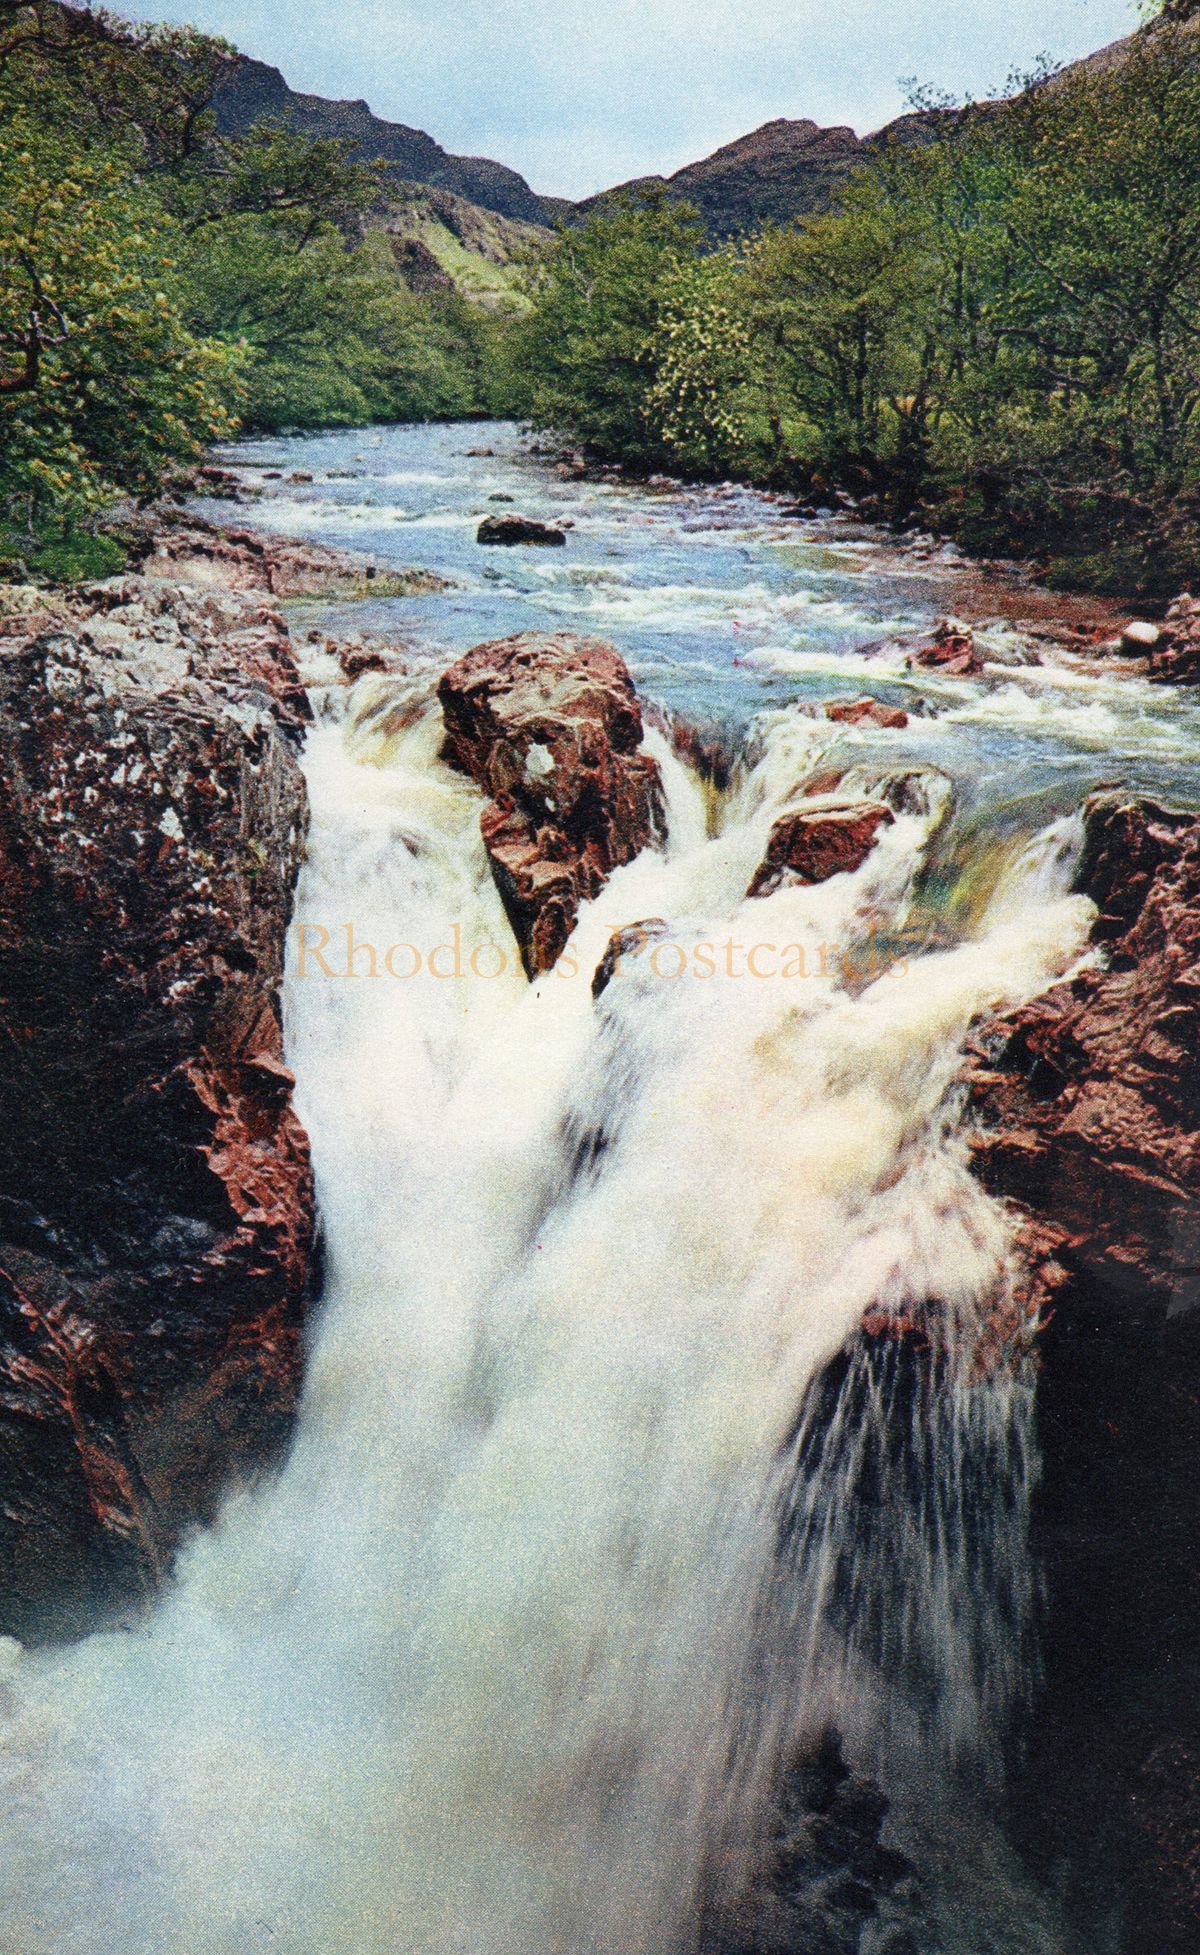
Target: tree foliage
{"type": "Point", "coordinates": [161, 283]}
{"type": "Point", "coordinates": [998, 329]}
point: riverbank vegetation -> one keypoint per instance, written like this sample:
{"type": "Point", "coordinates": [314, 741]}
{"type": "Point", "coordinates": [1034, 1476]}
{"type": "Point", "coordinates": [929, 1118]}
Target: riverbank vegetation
{"type": "Point", "coordinates": [162, 285]}
{"type": "Point", "coordinates": [996, 333]}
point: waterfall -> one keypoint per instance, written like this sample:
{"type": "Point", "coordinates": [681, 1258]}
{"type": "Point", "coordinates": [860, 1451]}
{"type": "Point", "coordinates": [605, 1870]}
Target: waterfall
{"type": "Point", "coordinates": [569, 1550]}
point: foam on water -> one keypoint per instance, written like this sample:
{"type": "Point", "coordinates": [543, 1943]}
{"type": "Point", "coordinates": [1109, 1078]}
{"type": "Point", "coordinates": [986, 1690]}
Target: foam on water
{"type": "Point", "coordinates": [470, 1675]}
{"type": "Point", "coordinates": [580, 1534]}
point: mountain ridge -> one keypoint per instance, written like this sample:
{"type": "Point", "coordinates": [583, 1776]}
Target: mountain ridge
{"type": "Point", "coordinates": [785, 169]}
{"type": "Point", "coordinates": [253, 90]}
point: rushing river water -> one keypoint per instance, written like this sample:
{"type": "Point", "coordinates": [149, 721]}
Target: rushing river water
{"type": "Point", "coordinates": [582, 1543]}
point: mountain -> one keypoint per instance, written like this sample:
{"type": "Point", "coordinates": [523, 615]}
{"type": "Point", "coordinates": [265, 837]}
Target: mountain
{"type": "Point", "coordinates": [778, 172]}
{"type": "Point", "coordinates": [784, 170]}
{"type": "Point", "coordinates": [790, 169]}
{"type": "Point", "coordinates": [253, 90]}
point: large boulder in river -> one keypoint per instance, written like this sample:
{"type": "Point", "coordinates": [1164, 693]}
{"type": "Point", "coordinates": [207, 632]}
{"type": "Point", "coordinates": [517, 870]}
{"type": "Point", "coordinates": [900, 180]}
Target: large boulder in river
{"type": "Point", "coordinates": [156, 1207]}
{"type": "Point", "coordinates": [865, 711]}
{"type": "Point", "coordinates": [551, 729]}
{"type": "Point", "coordinates": [512, 530]}
{"type": "Point", "coordinates": [951, 649]}
{"type": "Point", "coordinates": [814, 843]}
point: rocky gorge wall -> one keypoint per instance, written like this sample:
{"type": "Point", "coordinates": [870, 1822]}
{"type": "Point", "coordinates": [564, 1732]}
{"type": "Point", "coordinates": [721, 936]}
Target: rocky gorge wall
{"type": "Point", "coordinates": [156, 1206]}
{"type": "Point", "coordinates": [1086, 1106]}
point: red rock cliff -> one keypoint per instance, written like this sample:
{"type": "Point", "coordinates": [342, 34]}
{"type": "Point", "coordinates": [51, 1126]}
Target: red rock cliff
{"type": "Point", "coordinates": [156, 1213]}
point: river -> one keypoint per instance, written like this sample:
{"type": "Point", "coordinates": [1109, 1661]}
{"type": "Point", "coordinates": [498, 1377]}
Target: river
{"type": "Point", "coordinates": [587, 1533]}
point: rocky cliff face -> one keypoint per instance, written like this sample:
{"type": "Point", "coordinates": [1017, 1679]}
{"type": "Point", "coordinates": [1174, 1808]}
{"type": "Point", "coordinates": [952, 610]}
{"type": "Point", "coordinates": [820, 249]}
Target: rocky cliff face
{"type": "Point", "coordinates": [551, 729]}
{"type": "Point", "coordinates": [253, 91]}
{"type": "Point", "coordinates": [1090, 1113]}
{"type": "Point", "coordinates": [1088, 1104]}
{"type": "Point", "coordinates": [156, 1214]}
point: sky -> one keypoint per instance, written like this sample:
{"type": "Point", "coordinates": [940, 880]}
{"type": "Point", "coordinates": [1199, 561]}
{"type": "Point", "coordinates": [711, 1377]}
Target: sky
{"type": "Point", "coordinates": [582, 94]}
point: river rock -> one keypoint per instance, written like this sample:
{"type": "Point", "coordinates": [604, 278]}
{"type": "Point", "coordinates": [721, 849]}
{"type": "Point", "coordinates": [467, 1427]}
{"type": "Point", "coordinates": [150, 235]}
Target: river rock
{"type": "Point", "coordinates": [1176, 653]}
{"type": "Point", "coordinates": [951, 650]}
{"type": "Point", "coordinates": [156, 1214]}
{"type": "Point", "coordinates": [829, 1883]}
{"type": "Point", "coordinates": [623, 946]}
{"type": "Point", "coordinates": [814, 843]}
{"type": "Point", "coordinates": [865, 711]}
{"type": "Point", "coordinates": [188, 550]}
{"type": "Point", "coordinates": [512, 530]}
{"type": "Point", "coordinates": [551, 729]}
{"type": "Point", "coordinates": [1140, 637]}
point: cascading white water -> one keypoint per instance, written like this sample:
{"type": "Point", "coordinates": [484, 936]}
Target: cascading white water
{"type": "Point", "coordinates": [488, 1669]}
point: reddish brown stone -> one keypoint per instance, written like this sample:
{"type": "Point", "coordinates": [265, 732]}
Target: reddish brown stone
{"type": "Point", "coordinates": [156, 1213]}
{"type": "Point", "coordinates": [1176, 655]}
{"type": "Point", "coordinates": [951, 650]}
{"type": "Point", "coordinates": [551, 729]}
{"type": "Point", "coordinates": [872, 712]}
{"type": "Point", "coordinates": [1089, 1112]}
{"type": "Point", "coordinates": [814, 844]}
{"type": "Point", "coordinates": [511, 531]}
{"type": "Point", "coordinates": [186, 549]}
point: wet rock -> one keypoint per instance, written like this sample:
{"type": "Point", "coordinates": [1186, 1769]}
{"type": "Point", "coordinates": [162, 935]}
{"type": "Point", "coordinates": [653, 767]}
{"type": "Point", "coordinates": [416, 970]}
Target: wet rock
{"type": "Point", "coordinates": [1140, 637]}
{"type": "Point", "coordinates": [185, 549]}
{"type": "Point", "coordinates": [623, 946]}
{"type": "Point", "coordinates": [220, 483]}
{"type": "Point", "coordinates": [814, 843]}
{"type": "Point", "coordinates": [951, 650]}
{"type": "Point", "coordinates": [829, 1884]}
{"type": "Point", "coordinates": [1088, 1113]}
{"type": "Point", "coordinates": [156, 1214]}
{"type": "Point", "coordinates": [709, 749]}
{"type": "Point", "coordinates": [513, 530]}
{"type": "Point", "coordinates": [1176, 654]}
{"type": "Point", "coordinates": [355, 659]}
{"type": "Point", "coordinates": [551, 729]}
{"type": "Point", "coordinates": [872, 712]}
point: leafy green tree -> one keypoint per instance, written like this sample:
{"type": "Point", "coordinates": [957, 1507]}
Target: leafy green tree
{"type": "Point", "coordinates": [590, 342]}
{"type": "Point", "coordinates": [702, 404]}
{"type": "Point", "coordinates": [102, 385]}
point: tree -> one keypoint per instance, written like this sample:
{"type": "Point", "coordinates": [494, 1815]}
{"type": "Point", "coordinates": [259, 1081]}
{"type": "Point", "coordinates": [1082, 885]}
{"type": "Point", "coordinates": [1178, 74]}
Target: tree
{"type": "Point", "coordinates": [591, 339]}
{"type": "Point", "coordinates": [105, 387]}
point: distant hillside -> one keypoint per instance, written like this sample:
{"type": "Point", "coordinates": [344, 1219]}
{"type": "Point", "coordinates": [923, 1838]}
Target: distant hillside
{"type": "Point", "coordinates": [778, 172]}
{"type": "Point", "coordinates": [786, 169]}
{"type": "Point", "coordinates": [442, 243]}
{"type": "Point", "coordinates": [782, 171]}
{"type": "Point", "coordinates": [254, 90]}
{"type": "Point", "coordinates": [790, 169]}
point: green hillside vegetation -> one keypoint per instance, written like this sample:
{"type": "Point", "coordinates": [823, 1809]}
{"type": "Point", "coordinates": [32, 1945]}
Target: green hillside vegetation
{"type": "Point", "coordinates": [162, 285]}
{"type": "Point", "coordinates": [483, 255]}
{"type": "Point", "coordinates": [994, 333]}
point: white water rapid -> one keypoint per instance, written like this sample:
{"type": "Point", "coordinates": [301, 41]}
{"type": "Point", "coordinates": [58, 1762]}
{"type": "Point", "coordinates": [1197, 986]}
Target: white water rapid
{"type": "Point", "coordinates": [506, 1659]}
